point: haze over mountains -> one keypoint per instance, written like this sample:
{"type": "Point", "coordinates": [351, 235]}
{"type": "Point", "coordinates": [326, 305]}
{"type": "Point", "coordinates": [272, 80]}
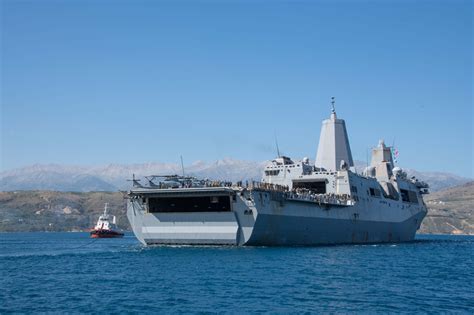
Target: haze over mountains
{"type": "Point", "coordinates": [114, 177]}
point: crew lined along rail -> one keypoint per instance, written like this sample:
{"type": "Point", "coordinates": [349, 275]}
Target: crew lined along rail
{"type": "Point", "coordinates": [306, 195]}
{"type": "Point", "coordinates": [278, 192]}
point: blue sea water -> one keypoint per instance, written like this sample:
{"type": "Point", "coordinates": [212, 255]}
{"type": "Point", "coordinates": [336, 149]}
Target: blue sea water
{"type": "Point", "coordinates": [69, 272]}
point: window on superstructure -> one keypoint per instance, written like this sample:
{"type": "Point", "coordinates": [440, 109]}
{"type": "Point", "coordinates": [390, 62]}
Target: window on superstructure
{"type": "Point", "coordinates": [412, 196]}
{"type": "Point", "coordinates": [272, 172]}
{"type": "Point", "coordinates": [404, 194]}
{"type": "Point", "coordinates": [374, 192]}
{"type": "Point", "coordinates": [408, 196]}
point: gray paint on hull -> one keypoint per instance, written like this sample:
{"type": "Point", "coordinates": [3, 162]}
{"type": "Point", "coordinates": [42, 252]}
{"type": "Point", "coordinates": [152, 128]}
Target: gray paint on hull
{"type": "Point", "coordinates": [278, 230]}
{"type": "Point", "coordinates": [160, 241]}
{"type": "Point", "coordinates": [184, 228]}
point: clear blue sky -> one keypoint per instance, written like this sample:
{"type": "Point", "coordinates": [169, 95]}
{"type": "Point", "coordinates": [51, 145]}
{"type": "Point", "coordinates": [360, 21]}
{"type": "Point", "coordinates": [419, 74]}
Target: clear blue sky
{"type": "Point", "coordinates": [95, 82]}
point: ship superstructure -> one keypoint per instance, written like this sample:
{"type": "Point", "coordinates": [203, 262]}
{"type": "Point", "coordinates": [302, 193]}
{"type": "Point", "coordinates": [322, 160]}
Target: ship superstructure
{"type": "Point", "coordinates": [295, 203]}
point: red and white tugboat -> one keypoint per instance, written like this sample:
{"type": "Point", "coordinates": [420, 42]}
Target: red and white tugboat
{"type": "Point", "coordinates": [106, 226]}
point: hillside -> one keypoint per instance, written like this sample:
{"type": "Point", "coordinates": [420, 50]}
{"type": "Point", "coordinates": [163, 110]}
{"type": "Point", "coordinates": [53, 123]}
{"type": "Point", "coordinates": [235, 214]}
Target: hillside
{"type": "Point", "coordinates": [451, 211]}
{"type": "Point", "coordinates": [29, 211]}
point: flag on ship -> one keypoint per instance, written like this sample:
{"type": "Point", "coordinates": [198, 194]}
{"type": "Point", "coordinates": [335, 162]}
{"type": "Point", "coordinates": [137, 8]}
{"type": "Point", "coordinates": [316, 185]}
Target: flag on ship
{"type": "Point", "coordinates": [395, 154]}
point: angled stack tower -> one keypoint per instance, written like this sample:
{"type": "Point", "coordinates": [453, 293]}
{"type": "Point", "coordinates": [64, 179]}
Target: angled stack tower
{"type": "Point", "coordinates": [333, 145]}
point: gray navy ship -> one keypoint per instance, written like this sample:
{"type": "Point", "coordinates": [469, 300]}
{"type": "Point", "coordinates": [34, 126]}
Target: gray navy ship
{"type": "Point", "coordinates": [295, 203]}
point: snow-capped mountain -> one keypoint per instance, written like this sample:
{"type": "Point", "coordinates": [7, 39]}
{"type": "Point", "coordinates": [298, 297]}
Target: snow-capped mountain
{"type": "Point", "coordinates": [112, 177]}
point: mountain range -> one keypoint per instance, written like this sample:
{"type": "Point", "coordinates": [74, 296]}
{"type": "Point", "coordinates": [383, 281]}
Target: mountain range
{"type": "Point", "coordinates": [113, 177]}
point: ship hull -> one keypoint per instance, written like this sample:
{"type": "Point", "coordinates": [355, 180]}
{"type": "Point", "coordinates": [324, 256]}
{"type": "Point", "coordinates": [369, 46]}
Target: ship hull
{"type": "Point", "coordinates": [266, 222]}
{"type": "Point", "coordinates": [280, 230]}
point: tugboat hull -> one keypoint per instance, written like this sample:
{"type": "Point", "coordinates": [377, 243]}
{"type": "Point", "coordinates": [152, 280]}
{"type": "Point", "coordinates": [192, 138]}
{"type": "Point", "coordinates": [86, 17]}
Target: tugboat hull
{"type": "Point", "coordinates": [105, 234]}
